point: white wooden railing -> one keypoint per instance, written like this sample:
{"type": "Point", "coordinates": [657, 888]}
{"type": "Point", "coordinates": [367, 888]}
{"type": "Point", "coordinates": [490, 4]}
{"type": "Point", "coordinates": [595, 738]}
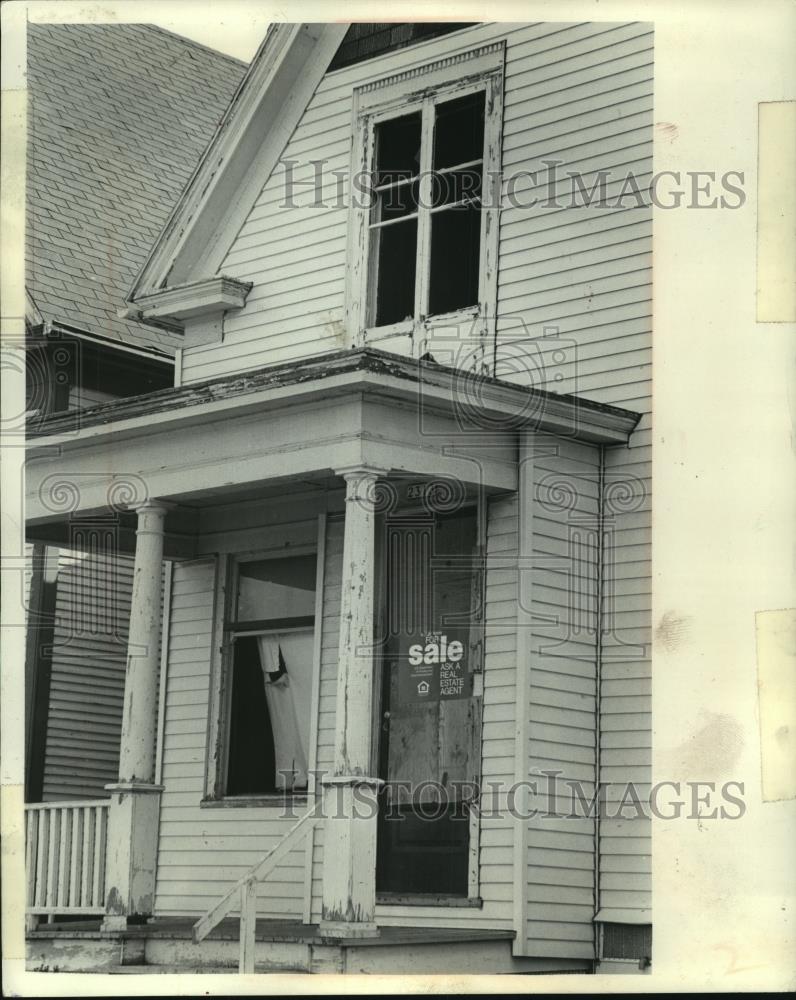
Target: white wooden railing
{"type": "Point", "coordinates": [243, 895]}
{"type": "Point", "coordinates": [65, 857]}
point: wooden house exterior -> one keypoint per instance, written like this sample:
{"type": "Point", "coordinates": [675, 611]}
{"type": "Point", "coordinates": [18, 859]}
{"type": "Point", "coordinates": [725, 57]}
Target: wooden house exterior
{"type": "Point", "coordinates": [424, 501]}
{"type": "Point", "coordinates": [94, 168]}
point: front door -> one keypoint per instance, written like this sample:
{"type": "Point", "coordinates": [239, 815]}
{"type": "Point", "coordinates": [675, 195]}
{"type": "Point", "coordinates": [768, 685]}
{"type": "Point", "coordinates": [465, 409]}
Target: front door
{"type": "Point", "coordinates": [429, 719]}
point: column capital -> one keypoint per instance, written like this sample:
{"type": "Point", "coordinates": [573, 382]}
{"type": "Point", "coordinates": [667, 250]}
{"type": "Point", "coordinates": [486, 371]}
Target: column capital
{"type": "Point", "coordinates": [357, 472]}
{"type": "Point", "coordinates": [153, 506]}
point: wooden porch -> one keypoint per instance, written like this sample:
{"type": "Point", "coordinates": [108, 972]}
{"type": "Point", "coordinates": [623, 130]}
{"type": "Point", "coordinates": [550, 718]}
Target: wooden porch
{"type": "Point", "coordinates": [65, 844]}
{"type": "Point", "coordinates": [166, 944]}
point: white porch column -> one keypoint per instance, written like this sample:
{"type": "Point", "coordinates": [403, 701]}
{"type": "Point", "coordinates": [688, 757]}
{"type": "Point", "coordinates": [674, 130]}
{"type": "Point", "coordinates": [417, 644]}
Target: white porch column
{"type": "Point", "coordinates": [135, 799]}
{"type": "Point", "coordinates": [349, 794]}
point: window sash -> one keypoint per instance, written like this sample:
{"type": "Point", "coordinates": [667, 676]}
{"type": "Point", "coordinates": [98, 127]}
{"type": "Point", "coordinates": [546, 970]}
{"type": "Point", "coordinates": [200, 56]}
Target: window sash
{"type": "Point", "coordinates": [230, 629]}
{"type": "Point", "coordinates": [489, 85]}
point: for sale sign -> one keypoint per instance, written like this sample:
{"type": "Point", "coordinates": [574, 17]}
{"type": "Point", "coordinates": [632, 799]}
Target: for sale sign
{"type": "Point", "coordinates": [436, 669]}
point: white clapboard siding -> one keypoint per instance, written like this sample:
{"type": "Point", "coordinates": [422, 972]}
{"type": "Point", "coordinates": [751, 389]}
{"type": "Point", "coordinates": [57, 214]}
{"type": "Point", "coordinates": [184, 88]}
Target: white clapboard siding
{"type": "Point", "coordinates": [625, 862]}
{"type": "Point", "coordinates": [562, 699]}
{"type": "Point", "coordinates": [202, 852]}
{"type": "Point", "coordinates": [581, 276]}
{"type": "Point", "coordinates": [89, 654]}
{"type": "Point", "coordinates": [581, 93]}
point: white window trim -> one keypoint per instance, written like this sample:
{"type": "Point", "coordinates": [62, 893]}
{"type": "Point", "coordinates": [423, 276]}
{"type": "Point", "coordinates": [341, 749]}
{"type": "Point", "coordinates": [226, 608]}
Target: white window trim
{"type": "Point", "coordinates": [476, 69]}
{"type": "Point", "coordinates": [221, 667]}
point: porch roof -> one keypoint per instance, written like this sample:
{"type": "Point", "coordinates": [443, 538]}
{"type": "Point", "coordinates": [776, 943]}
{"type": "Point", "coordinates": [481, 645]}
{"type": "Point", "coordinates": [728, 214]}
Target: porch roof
{"type": "Point", "coordinates": [522, 407]}
{"type": "Point", "coordinates": [308, 418]}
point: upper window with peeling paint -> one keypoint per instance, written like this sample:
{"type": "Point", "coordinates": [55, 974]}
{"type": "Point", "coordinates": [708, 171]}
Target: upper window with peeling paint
{"type": "Point", "coordinates": [427, 175]}
{"type": "Point", "coordinates": [426, 224]}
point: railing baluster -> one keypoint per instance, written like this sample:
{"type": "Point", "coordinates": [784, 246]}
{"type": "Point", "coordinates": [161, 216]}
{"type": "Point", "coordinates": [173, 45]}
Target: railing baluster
{"type": "Point", "coordinates": [76, 862]}
{"type": "Point", "coordinates": [31, 854]}
{"type": "Point", "coordinates": [65, 857]}
{"type": "Point", "coordinates": [99, 864]}
{"type": "Point", "coordinates": [88, 865]}
{"type": "Point", "coordinates": [55, 854]}
{"type": "Point", "coordinates": [44, 855]}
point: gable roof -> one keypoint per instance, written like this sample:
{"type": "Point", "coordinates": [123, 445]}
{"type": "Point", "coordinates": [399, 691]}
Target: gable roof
{"type": "Point", "coordinates": [278, 86]}
{"type": "Point", "coordinates": [118, 118]}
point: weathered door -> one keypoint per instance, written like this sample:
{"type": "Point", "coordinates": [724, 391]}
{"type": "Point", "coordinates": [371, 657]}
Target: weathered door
{"type": "Point", "coordinates": [429, 720]}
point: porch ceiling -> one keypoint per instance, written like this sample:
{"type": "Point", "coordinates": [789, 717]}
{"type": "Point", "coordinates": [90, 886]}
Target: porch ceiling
{"type": "Point", "coordinates": [297, 422]}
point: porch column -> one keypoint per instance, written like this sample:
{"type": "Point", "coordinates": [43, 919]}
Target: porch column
{"type": "Point", "coordinates": [135, 798]}
{"type": "Point", "coordinates": [349, 794]}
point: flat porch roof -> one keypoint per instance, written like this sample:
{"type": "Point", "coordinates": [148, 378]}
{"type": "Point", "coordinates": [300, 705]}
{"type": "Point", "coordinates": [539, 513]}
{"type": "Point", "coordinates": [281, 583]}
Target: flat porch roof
{"type": "Point", "coordinates": [305, 420]}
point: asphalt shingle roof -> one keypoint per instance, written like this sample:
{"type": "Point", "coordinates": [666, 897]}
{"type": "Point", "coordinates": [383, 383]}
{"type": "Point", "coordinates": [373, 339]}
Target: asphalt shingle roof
{"type": "Point", "coordinates": [118, 117]}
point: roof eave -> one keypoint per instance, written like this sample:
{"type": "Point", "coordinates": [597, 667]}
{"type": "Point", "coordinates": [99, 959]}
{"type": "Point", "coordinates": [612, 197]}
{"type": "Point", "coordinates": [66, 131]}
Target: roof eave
{"type": "Point", "coordinates": [188, 245]}
{"type": "Point", "coordinates": [507, 408]}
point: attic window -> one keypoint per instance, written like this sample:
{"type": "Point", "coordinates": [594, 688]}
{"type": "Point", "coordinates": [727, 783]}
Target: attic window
{"type": "Point", "coordinates": [424, 228]}
{"type": "Point", "coordinates": [425, 222]}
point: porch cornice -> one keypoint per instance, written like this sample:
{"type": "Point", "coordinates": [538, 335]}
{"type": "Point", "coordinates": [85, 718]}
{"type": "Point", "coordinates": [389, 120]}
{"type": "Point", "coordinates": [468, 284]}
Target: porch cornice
{"type": "Point", "coordinates": [363, 409]}
{"type": "Point", "coordinates": [478, 401]}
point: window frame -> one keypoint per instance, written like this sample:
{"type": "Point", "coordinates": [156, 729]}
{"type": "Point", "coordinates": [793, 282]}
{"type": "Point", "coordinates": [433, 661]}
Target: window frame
{"type": "Point", "coordinates": [422, 89]}
{"type": "Point", "coordinates": [225, 589]}
{"type": "Point", "coordinates": [479, 503]}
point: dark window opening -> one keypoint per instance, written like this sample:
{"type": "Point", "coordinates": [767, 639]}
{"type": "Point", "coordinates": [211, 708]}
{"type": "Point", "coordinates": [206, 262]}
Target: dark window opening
{"type": "Point", "coordinates": [456, 225]}
{"type": "Point", "coordinates": [69, 373]}
{"type": "Point", "coordinates": [251, 740]}
{"type": "Point", "coordinates": [459, 131]}
{"type": "Point", "coordinates": [394, 218]}
{"type": "Point", "coordinates": [455, 256]}
{"type": "Point", "coordinates": [272, 640]}
{"type": "Point", "coordinates": [396, 267]}
{"type": "Point", "coordinates": [397, 149]}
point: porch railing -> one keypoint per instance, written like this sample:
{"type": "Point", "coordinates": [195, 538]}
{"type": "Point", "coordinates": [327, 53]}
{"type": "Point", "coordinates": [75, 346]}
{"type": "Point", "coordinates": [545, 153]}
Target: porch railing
{"type": "Point", "coordinates": [243, 895]}
{"type": "Point", "coordinates": [65, 857]}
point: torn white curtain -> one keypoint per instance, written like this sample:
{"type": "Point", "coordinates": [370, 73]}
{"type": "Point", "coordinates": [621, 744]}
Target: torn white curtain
{"type": "Point", "coordinates": [288, 697]}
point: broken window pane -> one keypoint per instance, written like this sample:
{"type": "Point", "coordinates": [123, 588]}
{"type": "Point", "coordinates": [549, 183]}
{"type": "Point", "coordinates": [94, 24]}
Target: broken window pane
{"type": "Point", "coordinates": [397, 149]}
{"type": "Point", "coordinates": [459, 131]}
{"type": "Point", "coordinates": [270, 713]}
{"type": "Point", "coordinates": [271, 664]}
{"type": "Point", "coordinates": [455, 259]}
{"type": "Point", "coordinates": [396, 253]}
